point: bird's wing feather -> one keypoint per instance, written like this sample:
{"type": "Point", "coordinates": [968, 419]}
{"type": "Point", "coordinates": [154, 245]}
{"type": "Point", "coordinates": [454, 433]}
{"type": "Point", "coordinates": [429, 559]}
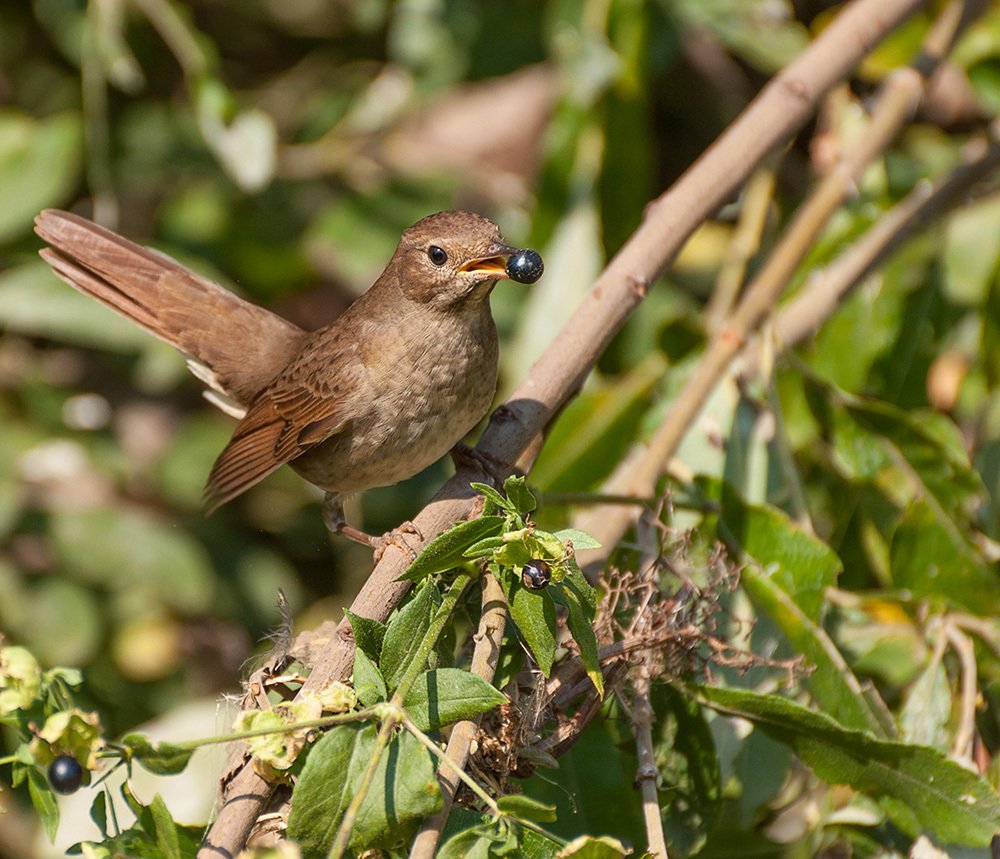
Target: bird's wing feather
{"type": "Point", "coordinates": [286, 420]}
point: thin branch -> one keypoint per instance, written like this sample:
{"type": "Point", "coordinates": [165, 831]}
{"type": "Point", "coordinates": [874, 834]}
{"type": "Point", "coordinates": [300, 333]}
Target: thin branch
{"type": "Point", "coordinates": [779, 111]}
{"type": "Point", "coordinates": [647, 774]}
{"type": "Point", "coordinates": [484, 664]}
{"type": "Point", "coordinates": [743, 246]}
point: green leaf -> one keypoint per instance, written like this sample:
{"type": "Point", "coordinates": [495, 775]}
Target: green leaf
{"type": "Point", "coordinates": [484, 548]}
{"type": "Point", "coordinates": [526, 808]}
{"type": "Point", "coordinates": [920, 788]}
{"type": "Point", "coordinates": [576, 579]}
{"type": "Point", "coordinates": [870, 438]}
{"type": "Point", "coordinates": [158, 758]}
{"type": "Point", "coordinates": [493, 497]}
{"type": "Point", "coordinates": [403, 792]}
{"type": "Point", "coordinates": [44, 801]}
{"type": "Point", "coordinates": [931, 557]}
{"type": "Point", "coordinates": [99, 811]}
{"type": "Point", "coordinates": [156, 826]}
{"type": "Point", "coordinates": [832, 682]}
{"type": "Point", "coordinates": [686, 756]}
{"type": "Point", "coordinates": [802, 565]}
{"type": "Point", "coordinates": [448, 695]}
{"type": "Point", "coordinates": [368, 634]}
{"type": "Point", "coordinates": [926, 711]}
{"type": "Point", "coordinates": [368, 681]}
{"type": "Point", "coordinates": [581, 626]}
{"type": "Point", "coordinates": [445, 552]}
{"type": "Point", "coordinates": [405, 632]}
{"type": "Point", "coordinates": [579, 539]}
{"type": "Point", "coordinates": [589, 847]}
{"type": "Point", "coordinates": [469, 834]}
{"type": "Point", "coordinates": [534, 614]}
{"type": "Point", "coordinates": [167, 838]}
{"type": "Point", "coordinates": [520, 497]}
{"type": "Point", "coordinates": [470, 844]}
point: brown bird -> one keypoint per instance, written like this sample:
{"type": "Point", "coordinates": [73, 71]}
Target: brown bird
{"type": "Point", "coordinates": [389, 387]}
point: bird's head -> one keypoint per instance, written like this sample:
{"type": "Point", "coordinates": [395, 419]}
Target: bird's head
{"type": "Point", "coordinates": [453, 257]}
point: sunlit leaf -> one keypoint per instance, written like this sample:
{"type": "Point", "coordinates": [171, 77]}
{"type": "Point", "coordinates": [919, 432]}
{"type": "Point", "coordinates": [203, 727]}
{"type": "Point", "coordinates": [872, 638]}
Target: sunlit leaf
{"type": "Point", "coordinates": [920, 788]}
{"type": "Point", "coordinates": [403, 791]}
{"type": "Point", "coordinates": [447, 695]}
{"type": "Point", "coordinates": [405, 633]}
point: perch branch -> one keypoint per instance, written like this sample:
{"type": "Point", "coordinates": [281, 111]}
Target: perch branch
{"type": "Point", "coordinates": [778, 112]}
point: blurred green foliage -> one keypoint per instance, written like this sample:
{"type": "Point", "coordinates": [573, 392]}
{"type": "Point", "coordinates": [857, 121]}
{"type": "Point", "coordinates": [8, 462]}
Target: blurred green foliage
{"type": "Point", "coordinates": [281, 146]}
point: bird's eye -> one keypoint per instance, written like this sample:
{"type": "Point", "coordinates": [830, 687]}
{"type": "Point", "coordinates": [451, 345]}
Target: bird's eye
{"type": "Point", "coordinates": [438, 255]}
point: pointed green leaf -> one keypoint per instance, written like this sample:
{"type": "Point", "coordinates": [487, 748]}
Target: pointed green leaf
{"type": "Point", "coordinates": [520, 497]}
{"type": "Point", "coordinates": [493, 497]}
{"type": "Point", "coordinates": [368, 681]}
{"type": "Point", "coordinates": [44, 801]}
{"type": "Point", "coordinates": [579, 539]}
{"type": "Point", "coordinates": [832, 682]}
{"type": "Point", "coordinates": [526, 808]}
{"type": "Point", "coordinates": [448, 695]}
{"type": "Point", "coordinates": [368, 634]}
{"type": "Point", "coordinates": [405, 632]}
{"type": "Point", "coordinates": [534, 614]}
{"type": "Point", "coordinates": [470, 844]}
{"type": "Point", "coordinates": [167, 837]}
{"type": "Point", "coordinates": [403, 792]}
{"type": "Point", "coordinates": [484, 548]}
{"type": "Point", "coordinates": [931, 557]}
{"type": "Point", "coordinates": [803, 565]}
{"type": "Point", "coordinates": [158, 758]}
{"type": "Point", "coordinates": [581, 626]}
{"type": "Point", "coordinates": [445, 552]}
{"type": "Point", "coordinates": [920, 788]}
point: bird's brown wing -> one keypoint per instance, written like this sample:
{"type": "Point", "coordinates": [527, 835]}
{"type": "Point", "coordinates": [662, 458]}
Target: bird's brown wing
{"type": "Point", "coordinates": [286, 420]}
{"type": "Point", "coordinates": [235, 347]}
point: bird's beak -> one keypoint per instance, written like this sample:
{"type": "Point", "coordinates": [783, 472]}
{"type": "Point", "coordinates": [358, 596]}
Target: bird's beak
{"type": "Point", "coordinates": [495, 265]}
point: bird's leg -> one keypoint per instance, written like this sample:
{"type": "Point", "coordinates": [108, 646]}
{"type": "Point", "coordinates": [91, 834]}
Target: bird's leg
{"type": "Point", "coordinates": [496, 472]}
{"type": "Point", "coordinates": [333, 518]}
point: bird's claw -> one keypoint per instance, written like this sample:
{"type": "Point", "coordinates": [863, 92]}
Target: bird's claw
{"type": "Point", "coordinates": [493, 469]}
{"type": "Point", "coordinates": [395, 538]}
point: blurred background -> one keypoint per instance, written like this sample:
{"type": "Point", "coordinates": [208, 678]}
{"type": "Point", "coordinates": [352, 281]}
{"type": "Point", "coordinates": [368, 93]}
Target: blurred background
{"type": "Point", "coordinates": [280, 147]}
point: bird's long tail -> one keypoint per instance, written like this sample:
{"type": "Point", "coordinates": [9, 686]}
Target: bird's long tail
{"type": "Point", "coordinates": [234, 347]}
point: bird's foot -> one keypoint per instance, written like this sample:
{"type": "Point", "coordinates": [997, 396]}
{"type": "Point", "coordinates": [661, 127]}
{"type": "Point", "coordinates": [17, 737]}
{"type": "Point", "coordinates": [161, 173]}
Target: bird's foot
{"type": "Point", "coordinates": [396, 537]}
{"type": "Point", "coordinates": [333, 518]}
{"type": "Point", "coordinates": [496, 472]}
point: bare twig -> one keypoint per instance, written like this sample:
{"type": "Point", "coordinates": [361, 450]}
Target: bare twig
{"type": "Point", "coordinates": [780, 110]}
{"type": "Point", "coordinates": [484, 664]}
{"type": "Point", "coordinates": [743, 246]}
{"type": "Point", "coordinates": [898, 99]}
{"type": "Point", "coordinates": [647, 774]}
